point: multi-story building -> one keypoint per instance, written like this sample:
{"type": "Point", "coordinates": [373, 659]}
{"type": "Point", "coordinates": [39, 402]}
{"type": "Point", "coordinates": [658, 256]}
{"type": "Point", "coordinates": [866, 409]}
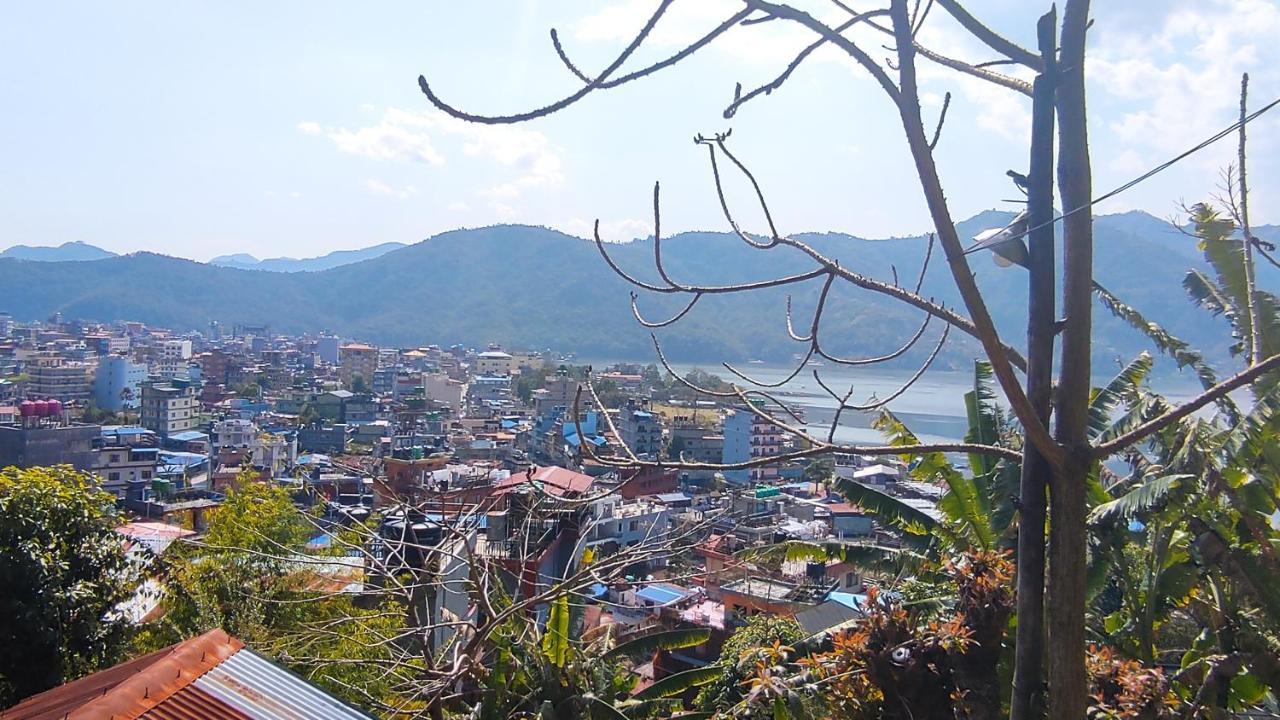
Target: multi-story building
{"type": "Point", "coordinates": [117, 383]}
{"type": "Point", "coordinates": [494, 362]}
{"type": "Point", "coordinates": [6, 324]}
{"type": "Point", "coordinates": [174, 359]}
{"type": "Point", "coordinates": [444, 390]}
{"type": "Point", "coordinates": [692, 440]}
{"type": "Point", "coordinates": [169, 406]}
{"type": "Point", "coordinates": [118, 464]}
{"type": "Point", "coordinates": [489, 388]}
{"type": "Point", "coordinates": [47, 440]}
{"type": "Point", "coordinates": [747, 437]}
{"type": "Point", "coordinates": [641, 431]}
{"type": "Point", "coordinates": [327, 349]}
{"type": "Point", "coordinates": [559, 391]}
{"type": "Point", "coordinates": [357, 360]}
{"type": "Point", "coordinates": [57, 378]}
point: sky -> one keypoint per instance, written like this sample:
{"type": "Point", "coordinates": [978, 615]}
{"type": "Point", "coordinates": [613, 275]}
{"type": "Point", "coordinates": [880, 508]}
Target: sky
{"type": "Point", "coordinates": [295, 128]}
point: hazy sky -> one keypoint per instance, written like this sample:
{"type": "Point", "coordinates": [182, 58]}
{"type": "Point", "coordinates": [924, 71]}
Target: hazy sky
{"type": "Point", "coordinates": [297, 128]}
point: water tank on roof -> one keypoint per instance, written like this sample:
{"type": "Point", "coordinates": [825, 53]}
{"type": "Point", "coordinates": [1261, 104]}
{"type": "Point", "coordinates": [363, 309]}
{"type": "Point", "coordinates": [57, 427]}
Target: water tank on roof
{"type": "Point", "coordinates": [27, 408]}
{"type": "Point", "coordinates": [42, 408]}
{"type": "Point", "coordinates": [55, 407]}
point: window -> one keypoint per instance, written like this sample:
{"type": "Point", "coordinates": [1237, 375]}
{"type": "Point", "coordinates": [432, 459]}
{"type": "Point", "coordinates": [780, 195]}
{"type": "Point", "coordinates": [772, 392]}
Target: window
{"type": "Point", "coordinates": [115, 458]}
{"type": "Point", "coordinates": [113, 476]}
{"type": "Point", "coordinates": [848, 580]}
{"type": "Point", "coordinates": [633, 526]}
{"type": "Point", "coordinates": [146, 474]}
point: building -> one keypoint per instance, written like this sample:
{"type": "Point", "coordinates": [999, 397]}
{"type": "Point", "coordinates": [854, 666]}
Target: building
{"type": "Point", "coordinates": [444, 390]}
{"type": "Point", "coordinates": [119, 463]}
{"type": "Point", "coordinates": [56, 378]}
{"type": "Point", "coordinates": [169, 406]}
{"type": "Point", "coordinates": [494, 362]}
{"type": "Point", "coordinates": [692, 441]}
{"type": "Point", "coordinates": [641, 431]}
{"type": "Point", "coordinates": [327, 349]}
{"type": "Point", "coordinates": [747, 436]}
{"type": "Point", "coordinates": [6, 324]}
{"type": "Point", "coordinates": [356, 360]}
{"type": "Point", "coordinates": [209, 676]}
{"type": "Point", "coordinates": [48, 440]}
{"type": "Point", "coordinates": [117, 384]}
{"type": "Point", "coordinates": [495, 388]}
{"type": "Point", "coordinates": [174, 359]}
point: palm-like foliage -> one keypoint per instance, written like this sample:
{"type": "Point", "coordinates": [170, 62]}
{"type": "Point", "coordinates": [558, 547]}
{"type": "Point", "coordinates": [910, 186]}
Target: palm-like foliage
{"type": "Point", "coordinates": [1189, 531]}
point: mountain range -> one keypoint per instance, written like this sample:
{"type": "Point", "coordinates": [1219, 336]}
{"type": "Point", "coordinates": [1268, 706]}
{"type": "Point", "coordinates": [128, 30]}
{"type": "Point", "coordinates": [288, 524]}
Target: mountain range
{"type": "Point", "coordinates": [533, 287]}
{"type": "Point", "coordinates": [334, 259]}
{"type": "Point", "coordinates": [69, 251]}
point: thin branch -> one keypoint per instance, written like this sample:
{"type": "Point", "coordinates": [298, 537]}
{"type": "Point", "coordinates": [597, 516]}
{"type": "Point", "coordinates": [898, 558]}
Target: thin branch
{"type": "Point", "coordinates": [942, 118]}
{"type": "Point", "coordinates": [635, 310]}
{"type": "Point", "coordinates": [851, 48]}
{"type": "Point", "coordinates": [991, 38]}
{"type": "Point", "coordinates": [739, 99]}
{"type": "Point", "coordinates": [1005, 81]}
{"type": "Point", "coordinates": [602, 81]}
{"type": "Point", "coordinates": [1155, 425]}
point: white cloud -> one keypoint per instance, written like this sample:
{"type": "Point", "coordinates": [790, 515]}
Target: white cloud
{"type": "Point", "coordinates": [610, 230]}
{"type": "Point", "coordinates": [378, 187]}
{"type": "Point", "coordinates": [460, 207]}
{"type": "Point", "coordinates": [1183, 74]}
{"type": "Point", "coordinates": [413, 136]}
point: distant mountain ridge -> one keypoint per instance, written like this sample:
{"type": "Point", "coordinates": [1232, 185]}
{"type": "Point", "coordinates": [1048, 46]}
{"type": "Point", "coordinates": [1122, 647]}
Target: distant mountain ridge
{"type": "Point", "coordinates": [338, 258]}
{"type": "Point", "coordinates": [66, 252]}
{"type": "Point", "coordinates": [534, 287]}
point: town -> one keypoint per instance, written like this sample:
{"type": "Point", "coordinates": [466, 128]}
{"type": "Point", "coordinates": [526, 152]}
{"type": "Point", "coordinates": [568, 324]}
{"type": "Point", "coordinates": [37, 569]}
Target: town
{"type": "Point", "coordinates": [172, 423]}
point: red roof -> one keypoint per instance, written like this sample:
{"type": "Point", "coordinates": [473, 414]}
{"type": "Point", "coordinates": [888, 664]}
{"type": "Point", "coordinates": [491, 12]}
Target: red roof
{"type": "Point", "coordinates": [554, 480]}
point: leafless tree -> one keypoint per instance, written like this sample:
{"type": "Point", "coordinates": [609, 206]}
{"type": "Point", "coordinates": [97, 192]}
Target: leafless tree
{"type": "Point", "coordinates": [1057, 459]}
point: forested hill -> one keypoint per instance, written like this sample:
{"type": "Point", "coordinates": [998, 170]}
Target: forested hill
{"type": "Point", "coordinates": [537, 288]}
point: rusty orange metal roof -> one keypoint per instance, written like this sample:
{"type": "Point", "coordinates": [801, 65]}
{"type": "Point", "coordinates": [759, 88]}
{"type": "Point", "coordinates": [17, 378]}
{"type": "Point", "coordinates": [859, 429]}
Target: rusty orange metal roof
{"type": "Point", "coordinates": [126, 691]}
{"type": "Point", "coordinates": [210, 677]}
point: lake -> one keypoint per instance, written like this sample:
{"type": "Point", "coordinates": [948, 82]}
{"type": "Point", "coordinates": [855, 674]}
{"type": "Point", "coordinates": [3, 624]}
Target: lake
{"type": "Point", "coordinates": [933, 408]}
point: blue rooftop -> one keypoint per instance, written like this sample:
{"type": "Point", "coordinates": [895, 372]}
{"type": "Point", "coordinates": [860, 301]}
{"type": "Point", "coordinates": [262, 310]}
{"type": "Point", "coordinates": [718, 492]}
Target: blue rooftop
{"type": "Point", "coordinates": [662, 594]}
{"type": "Point", "coordinates": [673, 497]}
{"type": "Point", "coordinates": [189, 436]}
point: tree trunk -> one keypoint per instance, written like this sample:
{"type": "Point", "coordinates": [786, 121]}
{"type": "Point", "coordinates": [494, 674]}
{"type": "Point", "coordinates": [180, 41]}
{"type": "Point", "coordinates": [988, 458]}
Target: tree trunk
{"type": "Point", "coordinates": [1028, 672]}
{"type": "Point", "coordinates": [1068, 685]}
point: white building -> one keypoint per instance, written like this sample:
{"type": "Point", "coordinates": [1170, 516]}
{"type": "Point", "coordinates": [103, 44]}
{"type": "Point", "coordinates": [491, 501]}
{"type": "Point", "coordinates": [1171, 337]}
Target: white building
{"type": "Point", "coordinates": [494, 362]}
{"type": "Point", "coordinates": [442, 389]}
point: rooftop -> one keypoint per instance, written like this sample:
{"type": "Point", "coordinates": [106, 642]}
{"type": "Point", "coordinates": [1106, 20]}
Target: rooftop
{"type": "Point", "coordinates": [213, 675]}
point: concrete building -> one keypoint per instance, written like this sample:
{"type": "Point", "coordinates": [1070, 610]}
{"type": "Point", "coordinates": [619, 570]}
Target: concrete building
{"type": "Point", "coordinates": [357, 360]}
{"type": "Point", "coordinates": [444, 390]}
{"type": "Point", "coordinates": [6, 324]}
{"type": "Point", "coordinates": [327, 349]}
{"type": "Point", "coordinates": [641, 431]}
{"type": "Point", "coordinates": [746, 437]}
{"type": "Point", "coordinates": [119, 465]}
{"type": "Point", "coordinates": [60, 379]}
{"type": "Point", "coordinates": [169, 406]}
{"type": "Point", "coordinates": [489, 388]}
{"type": "Point", "coordinates": [48, 443]}
{"type": "Point", "coordinates": [117, 384]}
{"type": "Point", "coordinates": [695, 442]}
{"type": "Point", "coordinates": [494, 362]}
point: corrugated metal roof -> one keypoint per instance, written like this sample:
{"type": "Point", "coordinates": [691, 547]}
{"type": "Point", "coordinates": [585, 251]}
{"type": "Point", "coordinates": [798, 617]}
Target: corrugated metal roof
{"type": "Point", "coordinates": [261, 690]}
{"type": "Point", "coordinates": [210, 677]}
{"type": "Point", "coordinates": [192, 703]}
